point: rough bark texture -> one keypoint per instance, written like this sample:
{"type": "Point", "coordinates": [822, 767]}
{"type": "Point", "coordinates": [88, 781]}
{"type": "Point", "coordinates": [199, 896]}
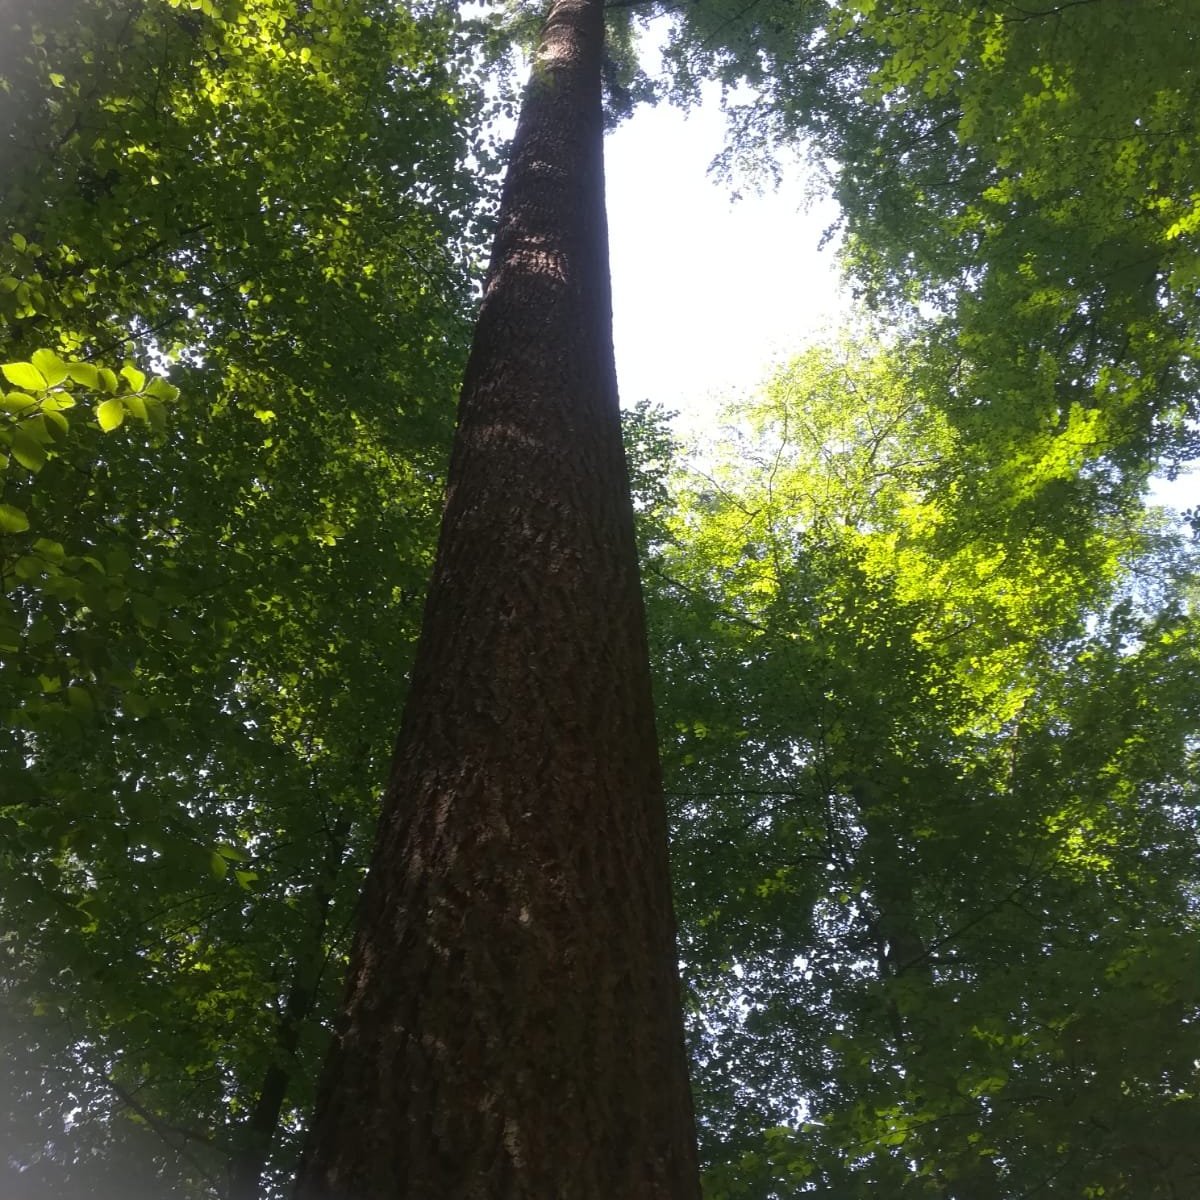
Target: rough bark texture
{"type": "Point", "coordinates": [512, 1026]}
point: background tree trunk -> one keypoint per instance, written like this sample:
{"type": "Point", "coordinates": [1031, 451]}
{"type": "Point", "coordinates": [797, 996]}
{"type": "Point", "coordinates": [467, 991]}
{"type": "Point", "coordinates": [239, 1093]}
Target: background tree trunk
{"type": "Point", "coordinates": [247, 1165]}
{"type": "Point", "coordinates": [512, 1025]}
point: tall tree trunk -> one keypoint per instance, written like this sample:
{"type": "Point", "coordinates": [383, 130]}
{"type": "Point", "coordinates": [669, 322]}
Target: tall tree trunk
{"type": "Point", "coordinates": [512, 1026]}
{"type": "Point", "coordinates": [903, 951]}
{"type": "Point", "coordinates": [247, 1165]}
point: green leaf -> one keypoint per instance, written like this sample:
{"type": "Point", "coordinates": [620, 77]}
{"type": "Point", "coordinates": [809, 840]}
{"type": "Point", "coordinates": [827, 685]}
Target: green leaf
{"type": "Point", "coordinates": [218, 865]}
{"type": "Point", "coordinates": [108, 381]}
{"type": "Point", "coordinates": [24, 375]}
{"type": "Point", "coordinates": [12, 519]}
{"type": "Point", "coordinates": [156, 415]}
{"type": "Point", "coordinates": [110, 414]}
{"type": "Point", "coordinates": [51, 366]}
{"type": "Point", "coordinates": [135, 378]}
{"type": "Point", "coordinates": [160, 389]}
{"type": "Point", "coordinates": [85, 373]}
{"type": "Point", "coordinates": [64, 587]}
{"type": "Point", "coordinates": [145, 609]}
{"type": "Point", "coordinates": [28, 568]}
{"type": "Point", "coordinates": [57, 421]}
{"type": "Point", "coordinates": [27, 451]}
{"type": "Point", "coordinates": [17, 402]}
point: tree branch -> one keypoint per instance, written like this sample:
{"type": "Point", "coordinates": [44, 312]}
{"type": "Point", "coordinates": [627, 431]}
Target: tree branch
{"type": "Point", "coordinates": [175, 1136]}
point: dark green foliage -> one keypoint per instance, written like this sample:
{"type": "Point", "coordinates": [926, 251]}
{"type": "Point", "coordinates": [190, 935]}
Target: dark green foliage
{"type": "Point", "coordinates": [210, 613]}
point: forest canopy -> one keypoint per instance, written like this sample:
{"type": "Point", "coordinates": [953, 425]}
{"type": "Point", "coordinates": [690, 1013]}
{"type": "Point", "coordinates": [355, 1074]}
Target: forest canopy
{"type": "Point", "coordinates": [924, 653]}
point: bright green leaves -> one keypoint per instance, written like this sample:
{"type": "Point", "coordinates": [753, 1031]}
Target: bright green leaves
{"type": "Point", "coordinates": [1044, 228]}
{"type": "Point", "coordinates": [135, 378]}
{"type": "Point", "coordinates": [51, 367]}
{"type": "Point", "coordinates": [36, 416]}
{"type": "Point", "coordinates": [24, 375]}
{"type": "Point", "coordinates": [86, 374]}
{"type": "Point", "coordinates": [110, 414]}
{"type": "Point", "coordinates": [884, 483]}
{"type": "Point", "coordinates": [35, 429]}
{"type": "Point", "coordinates": [929, 741]}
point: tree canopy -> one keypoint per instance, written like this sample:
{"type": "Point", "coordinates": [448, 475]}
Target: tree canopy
{"type": "Point", "coordinates": [1026, 170]}
{"type": "Point", "coordinates": [925, 659]}
{"type": "Point", "coordinates": [934, 811]}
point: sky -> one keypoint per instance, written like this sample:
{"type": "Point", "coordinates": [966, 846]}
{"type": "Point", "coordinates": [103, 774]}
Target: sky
{"type": "Point", "coordinates": [708, 291]}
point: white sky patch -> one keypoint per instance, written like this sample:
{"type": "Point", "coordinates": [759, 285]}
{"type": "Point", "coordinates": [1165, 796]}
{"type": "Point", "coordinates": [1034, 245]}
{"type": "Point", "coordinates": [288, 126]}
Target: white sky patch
{"type": "Point", "coordinates": [1178, 494]}
{"type": "Point", "coordinates": [709, 293]}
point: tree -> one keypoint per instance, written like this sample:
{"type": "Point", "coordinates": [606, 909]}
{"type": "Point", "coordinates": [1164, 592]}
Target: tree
{"type": "Point", "coordinates": [512, 1022]}
{"type": "Point", "coordinates": [1024, 169]}
{"type": "Point", "coordinates": [928, 702]}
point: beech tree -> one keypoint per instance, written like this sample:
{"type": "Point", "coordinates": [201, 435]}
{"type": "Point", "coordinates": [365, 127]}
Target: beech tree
{"type": "Point", "coordinates": [933, 774]}
{"type": "Point", "coordinates": [512, 1024]}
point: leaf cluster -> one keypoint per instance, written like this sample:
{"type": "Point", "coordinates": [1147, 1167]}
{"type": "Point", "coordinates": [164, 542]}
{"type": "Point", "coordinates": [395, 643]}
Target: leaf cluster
{"type": "Point", "coordinates": [1025, 172]}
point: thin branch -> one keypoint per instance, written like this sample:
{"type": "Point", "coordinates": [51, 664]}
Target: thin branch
{"type": "Point", "coordinates": [175, 1136]}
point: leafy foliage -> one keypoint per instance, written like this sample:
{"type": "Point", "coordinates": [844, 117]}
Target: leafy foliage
{"type": "Point", "coordinates": [208, 618]}
{"type": "Point", "coordinates": [926, 666]}
{"type": "Point", "coordinates": [933, 769]}
{"type": "Point", "coordinates": [1028, 171]}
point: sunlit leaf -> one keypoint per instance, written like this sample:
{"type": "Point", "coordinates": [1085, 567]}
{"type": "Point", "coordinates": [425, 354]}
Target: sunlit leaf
{"type": "Point", "coordinates": [85, 374]}
{"type": "Point", "coordinates": [135, 378]}
{"type": "Point", "coordinates": [51, 367]}
{"type": "Point", "coordinates": [160, 389]}
{"type": "Point", "coordinates": [110, 414]}
{"type": "Point", "coordinates": [24, 375]}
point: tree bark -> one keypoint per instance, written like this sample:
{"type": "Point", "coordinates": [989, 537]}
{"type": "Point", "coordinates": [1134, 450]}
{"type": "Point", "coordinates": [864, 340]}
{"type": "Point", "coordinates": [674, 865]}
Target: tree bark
{"type": "Point", "coordinates": [512, 1026]}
